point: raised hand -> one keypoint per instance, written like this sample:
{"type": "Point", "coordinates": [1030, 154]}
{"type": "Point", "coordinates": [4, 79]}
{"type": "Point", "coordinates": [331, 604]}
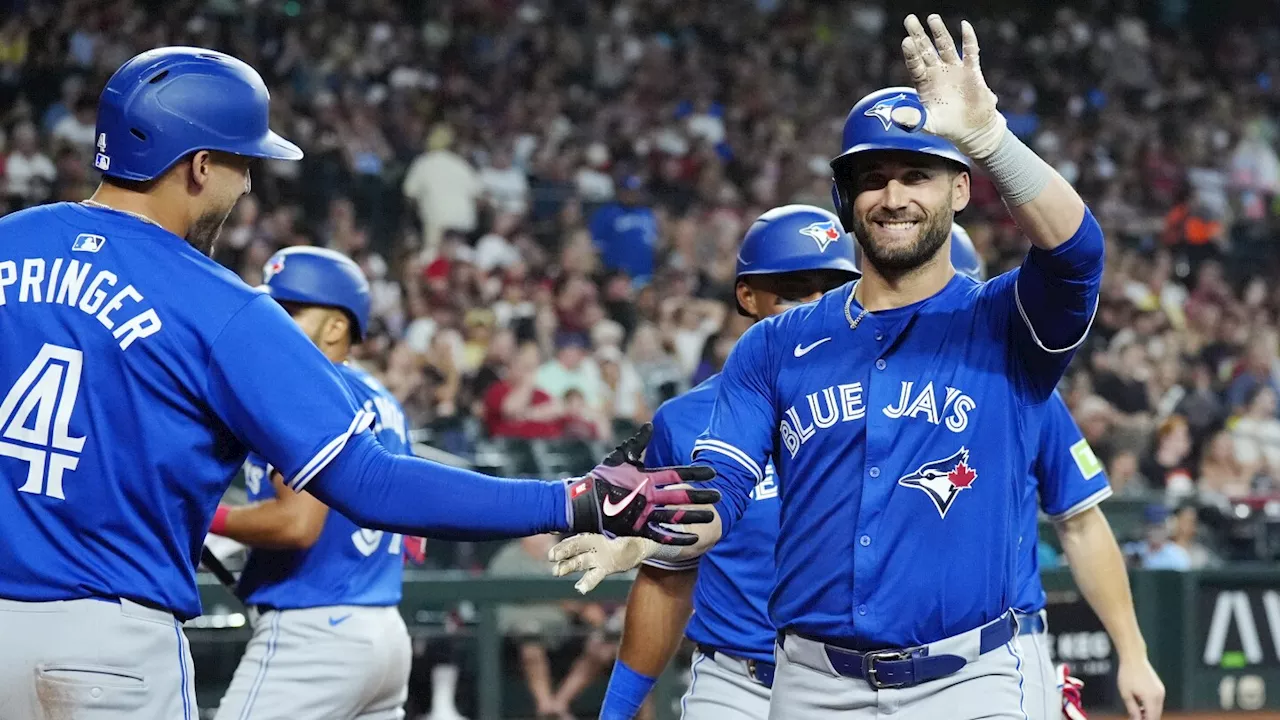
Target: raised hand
{"type": "Point", "coordinates": [959, 105]}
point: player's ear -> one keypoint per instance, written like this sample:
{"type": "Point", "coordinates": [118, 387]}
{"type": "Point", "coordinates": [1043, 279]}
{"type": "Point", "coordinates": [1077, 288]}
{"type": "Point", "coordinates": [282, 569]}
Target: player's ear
{"type": "Point", "coordinates": [747, 299]}
{"type": "Point", "coordinates": [337, 328]}
{"type": "Point", "coordinates": [960, 191]}
{"type": "Point", "coordinates": [200, 167]}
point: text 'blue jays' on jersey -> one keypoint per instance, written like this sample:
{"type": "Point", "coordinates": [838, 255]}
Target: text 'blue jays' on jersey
{"type": "Point", "coordinates": [901, 446]}
{"type": "Point", "coordinates": [1066, 479]}
{"type": "Point", "coordinates": [731, 595]}
{"type": "Point", "coordinates": [347, 565]}
{"type": "Point", "coordinates": [135, 375]}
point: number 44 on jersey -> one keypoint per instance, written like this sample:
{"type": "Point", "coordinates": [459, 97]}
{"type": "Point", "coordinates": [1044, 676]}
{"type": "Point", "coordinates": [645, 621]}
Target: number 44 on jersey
{"type": "Point", "coordinates": [35, 416]}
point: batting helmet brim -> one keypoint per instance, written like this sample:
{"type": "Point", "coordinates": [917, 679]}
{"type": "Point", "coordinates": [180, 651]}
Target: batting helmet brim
{"type": "Point", "coordinates": [271, 147]}
{"type": "Point", "coordinates": [903, 144]}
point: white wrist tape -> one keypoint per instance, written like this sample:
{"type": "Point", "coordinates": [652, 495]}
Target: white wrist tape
{"type": "Point", "coordinates": [1019, 174]}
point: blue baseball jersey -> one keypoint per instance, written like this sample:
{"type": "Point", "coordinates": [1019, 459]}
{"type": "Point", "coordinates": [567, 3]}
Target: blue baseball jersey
{"type": "Point", "coordinates": [1066, 479]}
{"type": "Point", "coordinates": [347, 565]}
{"type": "Point", "coordinates": [901, 446]}
{"type": "Point", "coordinates": [135, 375]}
{"type": "Point", "coordinates": [731, 595]}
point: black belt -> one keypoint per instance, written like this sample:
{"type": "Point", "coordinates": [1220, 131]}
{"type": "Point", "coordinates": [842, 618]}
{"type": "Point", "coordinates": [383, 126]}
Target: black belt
{"type": "Point", "coordinates": [1031, 624]}
{"type": "Point", "coordinates": [906, 667]}
{"type": "Point", "coordinates": [758, 670]}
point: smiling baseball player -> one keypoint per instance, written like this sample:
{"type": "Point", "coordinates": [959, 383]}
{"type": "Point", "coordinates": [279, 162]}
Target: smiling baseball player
{"type": "Point", "coordinates": [328, 641]}
{"type": "Point", "coordinates": [135, 376]}
{"type": "Point", "coordinates": [789, 255]}
{"type": "Point", "coordinates": [903, 434]}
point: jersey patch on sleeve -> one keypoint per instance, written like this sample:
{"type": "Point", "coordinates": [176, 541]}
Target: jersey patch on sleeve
{"type": "Point", "coordinates": [1086, 460]}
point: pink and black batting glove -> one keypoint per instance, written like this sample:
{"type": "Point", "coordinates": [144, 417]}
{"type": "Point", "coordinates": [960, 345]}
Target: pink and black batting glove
{"type": "Point", "coordinates": [620, 497]}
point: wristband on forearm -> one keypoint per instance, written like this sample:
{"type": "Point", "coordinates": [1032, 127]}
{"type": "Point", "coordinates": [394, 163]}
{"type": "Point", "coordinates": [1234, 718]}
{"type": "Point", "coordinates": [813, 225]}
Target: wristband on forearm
{"type": "Point", "coordinates": [219, 524]}
{"type": "Point", "coordinates": [626, 693]}
{"type": "Point", "coordinates": [1019, 174]}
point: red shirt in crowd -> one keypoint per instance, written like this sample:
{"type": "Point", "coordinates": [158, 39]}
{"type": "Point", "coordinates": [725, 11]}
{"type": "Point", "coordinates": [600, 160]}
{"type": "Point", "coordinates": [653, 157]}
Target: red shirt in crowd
{"type": "Point", "coordinates": [500, 426]}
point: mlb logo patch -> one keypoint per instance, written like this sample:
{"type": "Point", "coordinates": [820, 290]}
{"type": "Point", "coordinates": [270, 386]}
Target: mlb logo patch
{"type": "Point", "coordinates": [102, 162]}
{"type": "Point", "coordinates": [823, 233]}
{"type": "Point", "coordinates": [86, 242]}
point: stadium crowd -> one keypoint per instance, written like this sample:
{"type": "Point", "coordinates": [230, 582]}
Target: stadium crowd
{"type": "Point", "coordinates": [547, 196]}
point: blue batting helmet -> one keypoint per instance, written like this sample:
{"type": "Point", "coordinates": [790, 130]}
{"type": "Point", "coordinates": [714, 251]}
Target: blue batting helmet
{"type": "Point", "coordinates": [964, 256]}
{"type": "Point", "coordinates": [795, 238]}
{"type": "Point", "coordinates": [169, 102]}
{"type": "Point", "coordinates": [882, 121]}
{"type": "Point", "coordinates": [316, 276]}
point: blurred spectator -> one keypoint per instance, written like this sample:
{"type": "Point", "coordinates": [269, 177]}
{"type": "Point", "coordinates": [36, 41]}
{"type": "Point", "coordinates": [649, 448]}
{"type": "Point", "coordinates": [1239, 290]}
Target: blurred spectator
{"type": "Point", "coordinates": [444, 188]}
{"type": "Point", "coordinates": [28, 172]}
{"type": "Point", "coordinates": [624, 398]}
{"type": "Point", "coordinates": [515, 407]}
{"type": "Point", "coordinates": [581, 421]}
{"type": "Point", "coordinates": [1124, 477]}
{"type": "Point", "coordinates": [539, 630]}
{"type": "Point", "coordinates": [1256, 433]}
{"type": "Point", "coordinates": [626, 233]}
{"type": "Point", "coordinates": [1158, 551]}
{"type": "Point", "coordinates": [1221, 472]}
{"type": "Point", "coordinates": [656, 365]}
{"type": "Point", "coordinates": [1168, 465]}
{"type": "Point", "coordinates": [572, 369]}
{"type": "Point", "coordinates": [77, 128]}
{"type": "Point", "coordinates": [1258, 367]}
{"type": "Point", "coordinates": [505, 186]}
{"type": "Point", "coordinates": [1186, 535]}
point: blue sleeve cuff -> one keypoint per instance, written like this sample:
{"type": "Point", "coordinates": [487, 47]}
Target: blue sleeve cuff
{"type": "Point", "coordinates": [626, 693]}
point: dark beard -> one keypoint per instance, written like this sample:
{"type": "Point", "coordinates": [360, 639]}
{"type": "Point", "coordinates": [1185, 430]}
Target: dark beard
{"type": "Point", "coordinates": [203, 233]}
{"type": "Point", "coordinates": [897, 264]}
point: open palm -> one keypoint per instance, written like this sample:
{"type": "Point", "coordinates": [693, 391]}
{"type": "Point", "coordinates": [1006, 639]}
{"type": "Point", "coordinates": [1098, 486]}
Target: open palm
{"type": "Point", "coordinates": [958, 104]}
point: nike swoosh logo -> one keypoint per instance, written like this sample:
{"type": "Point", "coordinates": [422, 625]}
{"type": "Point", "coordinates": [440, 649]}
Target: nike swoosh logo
{"type": "Point", "coordinates": [802, 350]}
{"type": "Point", "coordinates": [610, 509]}
{"type": "Point", "coordinates": [334, 622]}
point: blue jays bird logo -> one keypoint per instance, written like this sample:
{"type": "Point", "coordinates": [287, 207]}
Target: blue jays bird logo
{"type": "Point", "coordinates": [883, 110]}
{"type": "Point", "coordinates": [273, 267]}
{"type": "Point", "coordinates": [823, 233]}
{"type": "Point", "coordinates": [942, 480]}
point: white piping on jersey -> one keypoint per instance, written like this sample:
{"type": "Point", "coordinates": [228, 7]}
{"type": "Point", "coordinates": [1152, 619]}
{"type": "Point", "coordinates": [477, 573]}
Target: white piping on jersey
{"type": "Point", "coordinates": [1017, 297]}
{"type": "Point", "coordinates": [1083, 505]}
{"type": "Point", "coordinates": [362, 421]}
{"type": "Point", "coordinates": [732, 452]}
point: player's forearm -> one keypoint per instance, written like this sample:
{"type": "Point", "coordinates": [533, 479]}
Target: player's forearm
{"type": "Point", "coordinates": [378, 490]}
{"type": "Point", "coordinates": [658, 609]}
{"type": "Point", "coordinates": [1045, 206]}
{"type": "Point", "coordinates": [1099, 571]}
{"type": "Point", "coordinates": [269, 524]}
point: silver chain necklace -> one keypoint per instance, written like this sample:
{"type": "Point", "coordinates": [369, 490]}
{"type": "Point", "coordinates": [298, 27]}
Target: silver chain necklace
{"type": "Point", "coordinates": [848, 308]}
{"type": "Point", "coordinates": [139, 216]}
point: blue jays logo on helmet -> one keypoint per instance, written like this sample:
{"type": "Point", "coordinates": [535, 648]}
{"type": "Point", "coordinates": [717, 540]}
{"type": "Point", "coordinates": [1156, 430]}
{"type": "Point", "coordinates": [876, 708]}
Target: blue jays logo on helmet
{"type": "Point", "coordinates": [319, 276]}
{"type": "Point", "coordinates": [883, 110]}
{"type": "Point", "coordinates": [888, 119]}
{"type": "Point", "coordinates": [824, 233]}
{"type": "Point", "coordinates": [273, 267]}
{"type": "Point", "coordinates": [942, 480]}
{"type": "Point", "coordinates": [795, 238]}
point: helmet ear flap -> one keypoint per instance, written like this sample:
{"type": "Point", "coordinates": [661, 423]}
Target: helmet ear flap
{"type": "Point", "coordinates": [842, 202]}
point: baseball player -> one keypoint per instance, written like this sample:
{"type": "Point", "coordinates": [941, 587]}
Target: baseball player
{"type": "Point", "coordinates": [902, 414]}
{"type": "Point", "coordinates": [790, 254]}
{"type": "Point", "coordinates": [323, 592]}
{"type": "Point", "coordinates": [135, 376]}
{"type": "Point", "coordinates": [1067, 482]}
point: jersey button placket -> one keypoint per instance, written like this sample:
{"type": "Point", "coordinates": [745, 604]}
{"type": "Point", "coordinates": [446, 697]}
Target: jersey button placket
{"type": "Point", "coordinates": [881, 364]}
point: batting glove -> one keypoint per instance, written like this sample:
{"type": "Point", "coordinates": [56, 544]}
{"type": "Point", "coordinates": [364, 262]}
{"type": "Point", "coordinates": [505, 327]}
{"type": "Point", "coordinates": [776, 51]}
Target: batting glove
{"type": "Point", "coordinates": [619, 497]}
{"type": "Point", "coordinates": [1072, 707]}
{"type": "Point", "coordinates": [598, 557]}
